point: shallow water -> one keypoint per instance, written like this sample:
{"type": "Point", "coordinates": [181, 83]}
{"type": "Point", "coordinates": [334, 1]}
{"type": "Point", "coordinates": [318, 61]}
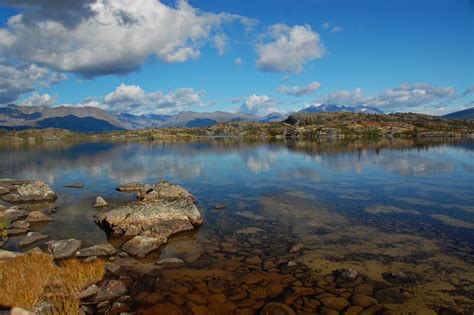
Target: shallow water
{"type": "Point", "coordinates": [376, 206]}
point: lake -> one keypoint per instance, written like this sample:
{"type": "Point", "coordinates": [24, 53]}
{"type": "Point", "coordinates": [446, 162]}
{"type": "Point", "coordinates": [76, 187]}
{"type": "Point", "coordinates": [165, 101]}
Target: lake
{"type": "Point", "coordinates": [400, 212]}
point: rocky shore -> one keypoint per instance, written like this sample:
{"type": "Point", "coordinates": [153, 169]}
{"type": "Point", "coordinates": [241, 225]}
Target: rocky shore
{"type": "Point", "coordinates": [244, 272]}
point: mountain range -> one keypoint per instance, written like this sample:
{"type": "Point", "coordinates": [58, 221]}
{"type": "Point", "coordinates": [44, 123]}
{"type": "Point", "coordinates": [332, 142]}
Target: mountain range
{"type": "Point", "coordinates": [93, 119]}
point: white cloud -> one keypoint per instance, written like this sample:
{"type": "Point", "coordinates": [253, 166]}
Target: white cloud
{"type": "Point", "coordinates": [336, 29]}
{"type": "Point", "coordinates": [290, 48]}
{"type": "Point", "coordinates": [114, 36]}
{"type": "Point", "coordinates": [23, 78]}
{"type": "Point", "coordinates": [40, 100]}
{"type": "Point", "coordinates": [235, 100]}
{"type": "Point", "coordinates": [134, 100]}
{"type": "Point", "coordinates": [259, 105]}
{"type": "Point", "coordinates": [326, 25]}
{"type": "Point", "coordinates": [239, 61]}
{"type": "Point", "coordinates": [300, 90]}
{"type": "Point", "coordinates": [405, 96]}
{"type": "Point", "coordinates": [221, 43]}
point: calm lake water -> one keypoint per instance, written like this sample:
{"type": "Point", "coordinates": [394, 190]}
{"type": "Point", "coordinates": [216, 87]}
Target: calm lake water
{"type": "Point", "coordinates": [375, 206]}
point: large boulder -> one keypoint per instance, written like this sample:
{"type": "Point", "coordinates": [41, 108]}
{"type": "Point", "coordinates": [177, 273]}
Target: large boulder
{"type": "Point", "coordinates": [30, 191]}
{"type": "Point", "coordinates": [164, 209]}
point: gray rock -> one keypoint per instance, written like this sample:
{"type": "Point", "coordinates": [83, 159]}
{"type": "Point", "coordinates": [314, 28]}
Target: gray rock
{"type": "Point", "coordinates": [90, 291]}
{"type": "Point", "coordinates": [91, 259]}
{"type": "Point", "coordinates": [100, 202]}
{"type": "Point", "coordinates": [346, 277]}
{"type": "Point", "coordinates": [63, 248]}
{"type": "Point", "coordinates": [111, 267]}
{"type": "Point", "coordinates": [389, 296]}
{"type": "Point", "coordinates": [123, 255]}
{"type": "Point", "coordinates": [36, 191]}
{"type": "Point", "coordinates": [110, 290]}
{"type": "Point", "coordinates": [165, 209]}
{"type": "Point", "coordinates": [44, 308]}
{"type": "Point", "coordinates": [36, 216]}
{"type": "Point", "coordinates": [4, 190]}
{"type": "Point", "coordinates": [31, 237]}
{"type": "Point", "coordinates": [20, 224]}
{"type": "Point", "coordinates": [97, 250]}
{"type": "Point", "coordinates": [142, 245]}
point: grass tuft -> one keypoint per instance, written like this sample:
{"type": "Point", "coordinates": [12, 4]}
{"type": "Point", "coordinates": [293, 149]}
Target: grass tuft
{"type": "Point", "coordinates": [29, 279]}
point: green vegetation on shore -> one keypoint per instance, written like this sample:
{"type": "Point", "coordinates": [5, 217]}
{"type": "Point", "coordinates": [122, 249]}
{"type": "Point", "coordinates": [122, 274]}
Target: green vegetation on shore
{"type": "Point", "coordinates": [297, 126]}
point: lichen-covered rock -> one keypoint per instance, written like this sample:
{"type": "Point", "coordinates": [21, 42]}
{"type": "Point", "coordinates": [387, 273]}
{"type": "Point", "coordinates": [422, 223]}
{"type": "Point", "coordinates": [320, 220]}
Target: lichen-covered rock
{"type": "Point", "coordinates": [110, 290]}
{"type": "Point", "coordinates": [35, 191]}
{"type": "Point", "coordinates": [165, 209]}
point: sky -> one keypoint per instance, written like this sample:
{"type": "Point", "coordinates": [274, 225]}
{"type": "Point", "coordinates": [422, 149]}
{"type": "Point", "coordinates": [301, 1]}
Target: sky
{"type": "Point", "coordinates": [259, 57]}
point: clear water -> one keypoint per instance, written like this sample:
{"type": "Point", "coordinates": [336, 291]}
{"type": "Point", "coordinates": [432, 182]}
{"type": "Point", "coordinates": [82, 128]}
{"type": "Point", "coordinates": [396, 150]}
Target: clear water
{"type": "Point", "coordinates": [377, 206]}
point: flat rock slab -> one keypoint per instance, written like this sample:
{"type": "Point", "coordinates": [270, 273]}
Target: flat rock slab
{"type": "Point", "coordinates": [63, 248]}
{"type": "Point", "coordinates": [130, 187]}
{"type": "Point", "coordinates": [36, 216]}
{"type": "Point", "coordinates": [74, 185]}
{"type": "Point", "coordinates": [97, 250]}
{"type": "Point", "coordinates": [110, 290]}
{"type": "Point", "coordinates": [30, 238]}
{"type": "Point", "coordinates": [142, 245]}
{"type": "Point", "coordinates": [11, 215]}
{"type": "Point", "coordinates": [20, 224]}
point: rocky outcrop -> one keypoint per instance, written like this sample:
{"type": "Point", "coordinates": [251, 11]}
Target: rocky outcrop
{"type": "Point", "coordinates": [164, 209]}
{"type": "Point", "coordinates": [23, 191]}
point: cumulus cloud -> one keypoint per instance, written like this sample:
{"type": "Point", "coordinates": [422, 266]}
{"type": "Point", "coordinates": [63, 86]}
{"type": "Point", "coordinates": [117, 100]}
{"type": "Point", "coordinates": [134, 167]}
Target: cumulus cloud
{"type": "Point", "coordinates": [289, 48]}
{"type": "Point", "coordinates": [23, 78]}
{"type": "Point", "coordinates": [110, 37]}
{"type": "Point", "coordinates": [300, 90]}
{"type": "Point", "coordinates": [468, 91]}
{"type": "Point", "coordinates": [221, 43]}
{"type": "Point", "coordinates": [134, 100]}
{"type": "Point", "coordinates": [405, 96]}
{"type": "Point", "coordinates": [258, 105]}
{"type": "Point", "coordinates": [40, 100]}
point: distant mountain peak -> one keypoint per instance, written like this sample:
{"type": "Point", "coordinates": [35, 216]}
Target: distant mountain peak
{"type": "Point", "coordinates": [319, 108]}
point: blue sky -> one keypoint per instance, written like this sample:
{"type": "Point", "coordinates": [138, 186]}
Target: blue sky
{"type": "Point", "coordinates": [254, 56]}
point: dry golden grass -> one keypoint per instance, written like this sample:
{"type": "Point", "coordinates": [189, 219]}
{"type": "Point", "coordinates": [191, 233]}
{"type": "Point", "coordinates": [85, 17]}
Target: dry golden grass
{"type": "Point", "coordinates": [29, 279]}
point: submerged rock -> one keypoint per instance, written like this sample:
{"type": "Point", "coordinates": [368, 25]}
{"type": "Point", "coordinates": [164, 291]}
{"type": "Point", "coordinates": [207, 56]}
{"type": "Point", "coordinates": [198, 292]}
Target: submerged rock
{"type": "Point", "coordinates": [3, 240]}
{"type": "Point", "coordinates": [276, 309]}
{"type": "Point", "coordinates": [97, 250]}
{"type": "Point", "coordinates": [110, 290]}
{"type": "Point", "coordinates": [142, 245]}
{"type": "Point", "coordinates": [165, 209]}
{"type": "Point", "coordinates": [36, 216]}
{"type": "Point", "coordinates": [64, 248]}
{"type": "Point", "coordinates": [100, 202]}
{"type": "Point", "coordinates": [31, 238]}
{"type": "Point", "coordinates": [346, 277]}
